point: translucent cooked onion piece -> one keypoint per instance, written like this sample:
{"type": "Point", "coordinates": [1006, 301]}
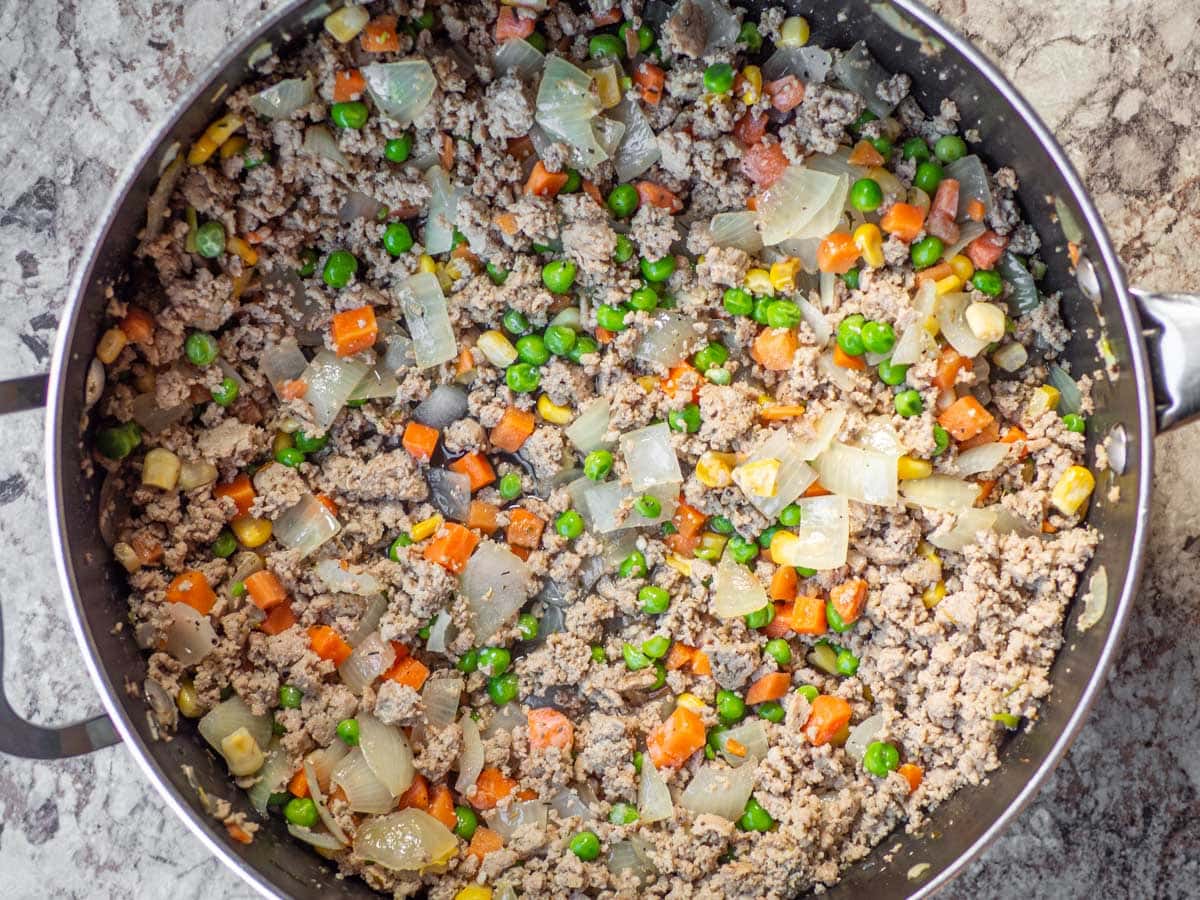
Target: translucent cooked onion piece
{"type": "Point", "coordinates": [863, 475]}
{"type": "Point", "coordinates": [331, 380]}
{"type": "Point", "coordinates": [809, 63]}
{"type": "Point", "coordinates": [507, 819]}
{"type": "Point", "coordinates": [1070, 398]}
{"type": "Point", "coordinates": [966, 233]}
{"type": "Point", "coordinates": [723, 25]}
{"type": "Point", "coordinates": [450, 492]}
{"type": "Point", "coordinates": [667, 340]}
{"type": "Point", "coordinates": [518, 57]}
{"type": "Point", "coordinates": [941, 493]}
{"type": "Point", "coordinates": [338, 577]}
{"type": "Point", "coordinates": [328, 758]}
{"type": "Point", "coordinates": [1095, 601]}
{"type": "Point", "coordinates": [738, 591]}
{"type": "Point", "coordinates": [565, 108]}
{"type": "Point", "coordinates": [654, 798]}
{"type": "Point", "coordinates": [370, 659]}
{"type": "Point", "coordinates": [608, 134]}
{"type": "Point", "coordinates": [750, 735]}
{"type": "Point", "coordinates": [305, 526]}
{"type": "Point", "coordinates": [401, 89]}
{"type": "Point", "coordinates": [795, 475]}
{"type": "Point", "coordinates": [274, 774]}
{"type": "Point", "coordinates": [858, 71]}
{"type": "Point", "coordinates": [736, 229]}
{"type": "Point", "coordinates": [632, 856]}
{"type": "Point", "coordinates": [823, 535]}
{"type": "Point", "coordinates": [973, 184]}
{"type": "Point", "coordinates": [470, 758]}
{"type": "Point", "coordinates": [826, 429]}
{"type": "Point", "coordinates": [439, 632]}
{"type": "Point", "coordinates": [968, 524]}
{"type": "Point", "coordinates": [364, 791]}
{"type": "Point", "coordinates": [718, 790]}
{"type": "Point", "coordinates": [406, 841]}
{"type": "Point", "coordinates": [815, 319]}
{"type": "Point", "coordinates": [590, 426]}
{"type": "Point", "coordinates": [442, 217]}
{"type": "Point", "coordinates": [280, 100]}
{"type": "Point", "coordinates": [428, 320]}
{"type": "Point", "coordinates": [650, 458]}
{"type": "Point", "coordinates": [981, 459]}
{"type": "Point", "coordinates": [952, 319]}
{"type": "Point", "coordinates": [915, 343]}
{"type": "Point", "coordinates": [441, 696]}
{"type": "Point", "coordinates": [387, 752]}
{"type": "Point", "coordinates": [369, 623]}
{"type": "Point", "coordinates": [569, 805]}
{"type": "Point", "coordinates": [282, 363]}
{"type": "Point", "coordinates": [152, 418]}
{"type": "Point", "coordinates": [445, 404]}
{"type": "Point", "coordinates": [319, 839]}
{"type": "Point", "coordinates": [320, 144]}
{"type": "Point", "coordinates": [793, 201]}
{"type": "Point", "coordinates": [862, 734]}
{"type": "Point", "coordinates": [190, 635]}
{"type": "Point", "coordinates": [230, 715]}
{"type": "Point", "coordinates": [495, 583]}
{"type": "Point", "coordinates": [322, 762]}
{"type": "Point", "coordinates": [638, 150]}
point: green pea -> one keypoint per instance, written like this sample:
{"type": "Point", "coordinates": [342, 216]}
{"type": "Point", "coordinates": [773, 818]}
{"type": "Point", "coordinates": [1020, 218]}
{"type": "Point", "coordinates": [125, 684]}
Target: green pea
{"type": "Point", "coordinates": [950, 148]}
{"type": "Point", "coordinates": [760, 618]}
{"type": "Point", "coordinates": [645, 38]}
{"type": "Point", "coordinates": [654, 600]}
{"type": "Point", "coordinates": [347, 730]}
{"type": "Point", "coordinates": [808, 691]}
{"type": "Point", "coordinates": [201, 349]}
{"type": "Point", "coordinates": [686, 419]}
{"type": "Point", "coordinates": [585, 345]}
{"type": "Point", "coordinates": [253, 162]}
{"type": "Point", "coordinates": [423, 632]}
{"type": "Point", "coordinates": [730, 707]}
{"type": "Point", "coordinates": [306, 444]}
{"type": "Point", "coordinates": [351, 114]}
{"type": "Point", "coordinates": [606, 45]}
{"type": "Point", "coordinates": [741, 549]}
{"type": "Point", "coordinates": [225, 545]}
{"type": "Point", "coordinates": [720, 524]}
{"type": "Point", "coordinates": [622, 814]}
{"type": "Point", "coordinates": [644, 299]}
{"type": "Point", "coordinates": [301, 811]}
{"type": "Point", "coordinates": [891, 374]}
{"type": "Point", "coordinates": [514, 322]}
{"type": "Point", "coordinates": [883, 145]}
{"type": "Point", "coordinates": [494, 660]}
{"type": "Point", "coordinates": [768, 534]}
{"type": "Point", "coordinates": [711, 355]}
{"type": "Point", "coordinates": [779, 650]}
{"type": "Point", "coordinates": [569, 524]}
{"type": "Point", "coordinates": [718, 78]}
{"type": "Point", "coordinates": [559, 339]}
{"type": "Point", "coordinates": [623, 200]}
{"type": "Point", "coordinates": [542, 248]}
{"type": "Point", "coordinates": [468, 662]}
{"type": "Point", "coordinates": [863, 118]}
{"type": "Point", "coordinates": [503, 689]}
{"type": "Point", "coordinates": [790, 516]}
{"type": "Point", "coordinates": [585, 845]}
{"type": "Point", "coordinates": [624, 250]}
{"type": "Point", "coordinates": [538, 41]}
{"type": "Point", "coordinates": [751, 37]}
{"type": "Point", "coordinates": [847, 663]}
{"type": "Point", "coordinates": [878, 337]}
{"type": "Point", "coordinates": [849, 335]}
{"type": "Point", "coordinates": [657, 646]}
{"type": "Point", "coordinates": [1008, 720]}
{"type": "Point", "coordinates": [783, 314]}
{"type": "Point", "coordinates": [510, 486]}
{"type": "Point", "coordinates": [634, 565]}
{"type": "Point", "coordinates": [597, 464]}
{"type": "Point", "coordinates": [755, 818]}
{"type": "Point", "coordinates": [805, 571]}
{"type": "Point", "coordinates": [915, 148]}
{"type": "Point", "coordinates": [1075, 422]}
{"type": "Point", "coordinates": [719, 376]}
{"type": "Point", "coordinates": [771, 711]}
{"type": "Point", "coordinates": [397, 239]}
{"type": "Point", "coordinates": [497, 275]}
{"type": "Point", "coordinates": [928, 174]}
{"type": "Point", "coordinates": [638, 757]}
{"type": "Point", "coordinates": [465, 822]}
{"type": "Point", "coordinates": [866, 195]}
{"type": "Point", "coordinates": [399, 543]}
{"type": "Point", "coordinates": [926, 252]}
{"type": "Point", "coordinates": [424, 21]}
{"type": "Point", "coordinates": [289, 456]}
{"type": "Point", "coordinates": [308, 262]}
{"type": "Point", "coordinates": [658, 270]}
{"type": "Point", "coordinates": [988, 283]}
{"type": "Point", "coordinates": [340, 267]}
{"type": "Point", "coordinates": [558, 275]}
{"type": "Point", "coordinates": [635, 659]}
{"type": "Point", "coordinates": [290, 696]}
{"type": "Point", "coordinates": [737, 302]}
{"type": "Point", "coordinates": [941, 440]}
{"type": "Point", "coordinates": [660, 677]}
{"type": "Point", "coordinates": [759, 312]}
{"type": "Point", "coordinates": [881, 757]}
{"type": "Point", "coordinates": [909, 403]}
{"type": "Point", "coordinates": [237, 590]}
{"type": "Point", "coordinates": [573, 184]}
{"type": "Point", "coordinates": [611, 318]}
{"type": "Point", "coordinates": [850, 279]}
{"type": "Point", "coordinates": [527, 626]}
{"type": "Point", "coordinates": [522, 378]}
{"type": "Point", "coordinates": [598, 654]}
{"type": "Point", "coordinates": [834, 619]}
{"type": "Point", "coordinates": [210, 240]}
{"type": "Point", "coordinates": [648, 506]}
{"type": "Point", "coordinates": [398, 149]}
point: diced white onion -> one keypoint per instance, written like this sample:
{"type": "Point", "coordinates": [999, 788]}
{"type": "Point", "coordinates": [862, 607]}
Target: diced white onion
{"type": "Point", "coordinates": [322, 763]}
{"type": "Point", "coordinates": [369, 623]}
{"type": "Point", "coordinates": [940, 492]}
{"type": "Point", "coordinates": [450, 492]}
{"type": "Point", "coordinates": [282, 363]}
{"type": "Point", "coordinates": [809, 63]}
{"type": "Point", "coordinates": [407, 841]}
{"type": "Point", "coordinates": [752, 736]}
{"type": "Point", "coordinates": [569, 805]}
{"type": "Point", "coordinates": [399, 354]}
{"type": "Point", "coordinates": [331, 380]}
{"type": "Point", "coordinates": [319, 839]}
{"type": "Point", "coordinates": [863, 475]}
{"type": "Point", "coordinates": [967, 232]}
{"type": "Point", "coordinates": [969, 523]}
{"type": "Point", "coordinates": [470, 758]}
{"type": "Point", "coordinates": [338, 577]}
{"type": "Point", "coordinates": [736, 229]}
{"type": "Point", "coordinates": [441, 219]}
{"type": "Point", "coordinates": [320, 144]}
{"type": "Point", "coordinates": [821, 329]}
{"type": "Point", "coordinates": [438, 632]}
{"type": "Point", "coordinates": [387, 753]}
{"type": "Point", "coordinates": [826, 428]}
{"type": "Point", "coordinates": [981, 459]}
{"type": "Point", "coordinates": [370, 659]}
{"type": "Point", "coordinates": [445, 404]}
{"type": "Point", "coordinates": [654, 798]}
{"type": "Point", "coordinates": [738, 592]}
{"type": "Point", "coordinates": [952, 319]}
{"type": "Point", "coordinates": [271, 777]}
{"type": "Point", "coordinates": [795, 475]}
{"type": "Point", "coordinates": [632, 856]}
{"type": "Point", "coordinates": [667, 340]}
{"type": "Point", "coordinates": [507, 819]}
{"type": "Point", "coordinates": [358, 205]}
{"type": "Point", "coordinates": [152, 418]}
{"type": "Point", "coordinates": [305, 526]}
{"type": "Point", "coordinates": [401, 89]}
{"type": "Point", "coordinates": [565, 108]}
{"type": "Point", "coordinates": [509, 718]}
{"type": "Point", "coordinates": [280, 100]}
{"type": "Point", "coordinates": [638, 150]}
{"type": "Point", "coordinates": [649, 456]}
{"type": "Point", "coordinates": [837, 375]}
{"type": "Point", "coordinates": [428, 320]}
{"type": "Point", "coordinates": [719, 791]}
{"type": "Point", "coordinates": [495, 583]}
{"type": "Point", "coordinates": [788, 206]}
{"type": "Point", "coordinates": [364, 791]}
{"type": "Point", "coordinates": [1011, 356]}
{"type": "Point", "coordinates": [1095, 601]}
{"type": "Point", "coordinates": [588, 430]}
{"type": "Point", "coordinates": [313, 778]}
{"type": "Point", "coordinates": [823, 535]}
{"type": "Point", "coordinates": [230, 715]}
{"type": "Point", "coordinates": [441, 696]}
{"type": "Point", "coordinates": [723, 25]}
{"type": "Point", "coordinates": [862, 734]}
{"type": "Point", "coordinates": [1070, 399]}
{"type": "Point", "coordinates": [190, 635]}
{"type": "Point", "coordinates": [858, 71]}
{"type": "Point", "coordinates": [519, 57]}
{"type": "Point", "coordinates": [973, 184]}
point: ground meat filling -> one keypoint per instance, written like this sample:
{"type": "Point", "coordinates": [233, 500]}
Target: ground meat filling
{"type": "Point", "coordinates": [660, 561]}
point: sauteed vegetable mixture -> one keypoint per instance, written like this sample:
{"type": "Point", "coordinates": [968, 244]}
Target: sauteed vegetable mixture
{"type": "Point", "coordinates": [605, 451]}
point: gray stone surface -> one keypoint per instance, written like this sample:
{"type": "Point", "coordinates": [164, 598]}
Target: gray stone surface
{"type": "Point", "coordinates": [82, 83]}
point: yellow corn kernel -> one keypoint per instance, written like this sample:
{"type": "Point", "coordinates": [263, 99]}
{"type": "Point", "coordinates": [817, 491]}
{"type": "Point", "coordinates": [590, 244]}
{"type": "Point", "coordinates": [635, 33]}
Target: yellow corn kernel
{"type": "Point", "coordinates": [127, 556]}
{"type": "Point", "coordinates": [794, 32]}
{"type": "Point", "coordinates": [962, 267]}
{"type": "Point", "coordinates": [715, 470]}
{"type": "Point", "coordinates": [346, 23]}
{"type": "Point", "coordinates": [909, 469]}
{"type": "Point", "coordinates": [1044, 399]}
{"type": "Point", "coordinates": [753, 78]}
{"type": "Point", "coordinates": [474, 892]}
{"type": "Point", "coordinates": [688, 700]}
{"type": "Point", "coordinates": [242, 753]}
{"type": "Point", "coordinates": [188, 701]}
{"type": "Point", "coordinates": [934, 594]}
{"type": "Point", "coordinates": [929, 551]}
{"type": "Point", "coordinates": [282, 441]}
{"type": "Point", "coordinates": [758, 281]}
{"type": "Point", "coordinates": [1072, 490]}
{"type": "Point", "coordinates": [233, 146]}
{"type": "Point", "coordinates": [679, 564]}
{"type": "Point", "coordinates": [243, 249]}
{"type": "Point", "coordinates": [446, 274]}
{"type": "Point", "coordinates": [241, 281]}
{"type": "Point", "coordinates": [112, 342]}
{"type": "Point", "coordinates": [552, 412]}
{"type": "Point", "coordinates": [160, 469]}
{"type": "Point", "coordinates": [783, 274]}
{"type": "Point", "coordinates": [250, 531]}
{"type": "Point", "coordinates": [426, 527]}
{"type": "Point", "coordinates": [869, 240]}
{"type": "Point", "coordinates": [712, 545]}
{"type": "Point", "coordinates": [214, 136]}
{"type": "Point", "coordinates": [498, 349]}
{"type": "Point", "coordinates": [948, 285]}
{"type": "Point", "coordinates": [647, 383]}
{"type": "Point", "coordinates": [426, 264]}
{"type": "Point", "coordinates": [932, 326]}
{"type": "Point", "coordinates": [783, 545]}
{"type": "Point", "coordinates": [607, 86]}
{"type": "Point", "coordinates": [759, 478]}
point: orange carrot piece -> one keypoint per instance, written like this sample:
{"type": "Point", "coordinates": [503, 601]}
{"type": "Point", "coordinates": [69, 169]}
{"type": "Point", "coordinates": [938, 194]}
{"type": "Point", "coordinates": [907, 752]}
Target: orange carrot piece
{"type": "Point", "coordinates": [293, 389]}
{"type": "Point", "coordinates": [507, 223]}
{"type": "Point", "coordinates": [808, 615]}
{"type": "Point", "coordinates": [446, 156]}
{"type": "Point", "coordinates": [542, 183]}
{"type": "Point", "coordinates": [513, 429]}
{"type": "Point", "coordinates": [520, 148]}
{"type": "Point", "coordinates": [650, 80]}
{"type": "Point", "coordinates": [989, 435]}
{"type": "Point", "coordinates": [476, 467]}
{"type": "Point", "coordinates": [1014, 434]}
{"type": "Point", "coordinates": [138, 326]}
{"type": "Point", "coordinates": [750, 128]}
{"type": "Point", "coordinates": [771, 686]}
{"type": "Point", "coordinates": [524, 528]}
{"type": "Point", "coordinates": [846, 361]}
{"type": "Point", "coordinates": [348, 84]}
{"type": "Point", "coordinates": [441, 806]}
{"type": "Point", "coordinates": [913, 774]}
{"type": "Point", "coordinates": [816, 489]}
{"type": "Point", "coordinates": [298, 786]}
{"type": "Point", "coordinates": [651, 194]}
{"type": "Point", "coordinates": [417, 795]}
{"type": "Point", "coordinates": [484, 841]}
{"type": "Point", "coordinates": [328, 644]}
{"type": "Point", "coordinates": [864, 154]}
{"type": "Point", "coordinates": [736, 747]}
{"type": "Point", "coordinates": [965, 418]}
{"type": "Point", "coordinates": [775, 348]}
{"type": "Point", "coordinates": [326, 501]}
{"type": "Point", "coordinates": [192, 588]}
{"type": "Point", "coordinates": [985, 490]}
{"type": "Point", "coordinates": [950, 361]}
{"type": "Point", "coordinates": [610, 16]}
{"type": "Point", "coordinates": [829, 715]}
{"type": "Point", "coordinates": [780, 412]}
{"type": "Point", "coordinates": [420, 440]}
{"type": "Point", "coordinates": [240, 490]}
{"type": "Point", "coordinates": [670, 384]}
{"type": "Point", "coordinates": [379, 36]}
{"type": "Point", "coordinates": [781, 623]}
{"type": "Point", "coordinates": [783, 584]}
{"type": "Point", "coordinates": [680, 656]}
{"type": "Point", "coordinates": [934, 273]}
{"type": "Point", "coordinates": [550, 728]}
{"type": "Point", "coordinates": [510, 26]}
{"type": "Point", "coordinates": [265, 589]}
{"type": "Point", "coordinates": [764, 164]}
{"type": "Point", "coordinates": [701, 665]}
{"type": "Point", "coordinates": [491, 787]}
{"type": "Point", "coordinates": [786, 93]}
{"type": "Point", "coordinates": [975, 212]}
{"type": "Point", "coordinates": [688, 523]}
{"type": "Point", "coordinates": [238, 833]}
{"type": "Point", "coordinates": [409, 671]}
{"type": "Point", "coordinates": [603, 335]}
{"type": "Point", "coordinates": [837, 253]}
{"type": "Point", "coordinates": [452, 548]}
{"type": "Point", "coordinates": [849, 598]}
{"type": "Point", "coordinates": [482, 516]}
{"type": "Point", "coordinates": [671, 743]}
{"type": "Point", "coordinates": [986, 249]}
{"type": "Point", "coordinates": [278, 620]}
{"type": "Point", "coordinates": [903, 220]}
{"type": "Point", "coordinates": [354, 330]}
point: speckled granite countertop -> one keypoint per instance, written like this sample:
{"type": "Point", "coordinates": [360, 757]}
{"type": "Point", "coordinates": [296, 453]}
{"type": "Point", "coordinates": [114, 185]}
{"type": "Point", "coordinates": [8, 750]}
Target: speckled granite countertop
{"type": "Point", "coordinates": [83, 83]}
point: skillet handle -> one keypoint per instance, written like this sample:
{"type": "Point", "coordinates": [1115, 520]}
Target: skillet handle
{"type": "Point", "coordinates": [1172, 331]}
{"type": "Point", "coordinates": [18, 737]}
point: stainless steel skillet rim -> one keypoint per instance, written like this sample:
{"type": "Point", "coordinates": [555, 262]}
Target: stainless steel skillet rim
{"type": "Point", "coordinates": [203, 827]}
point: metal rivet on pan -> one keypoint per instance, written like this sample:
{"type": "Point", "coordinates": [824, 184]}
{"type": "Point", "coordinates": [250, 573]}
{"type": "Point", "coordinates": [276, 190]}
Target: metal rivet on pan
{"type": "Point", "coordinates": [1085, 277]}
{"type": "Point", "coordinates": [1117, 443]}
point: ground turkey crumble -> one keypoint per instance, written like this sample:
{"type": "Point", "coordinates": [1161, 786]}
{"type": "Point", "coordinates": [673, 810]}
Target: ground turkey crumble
{"type": "Point", "coordinates": [268, 537]}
